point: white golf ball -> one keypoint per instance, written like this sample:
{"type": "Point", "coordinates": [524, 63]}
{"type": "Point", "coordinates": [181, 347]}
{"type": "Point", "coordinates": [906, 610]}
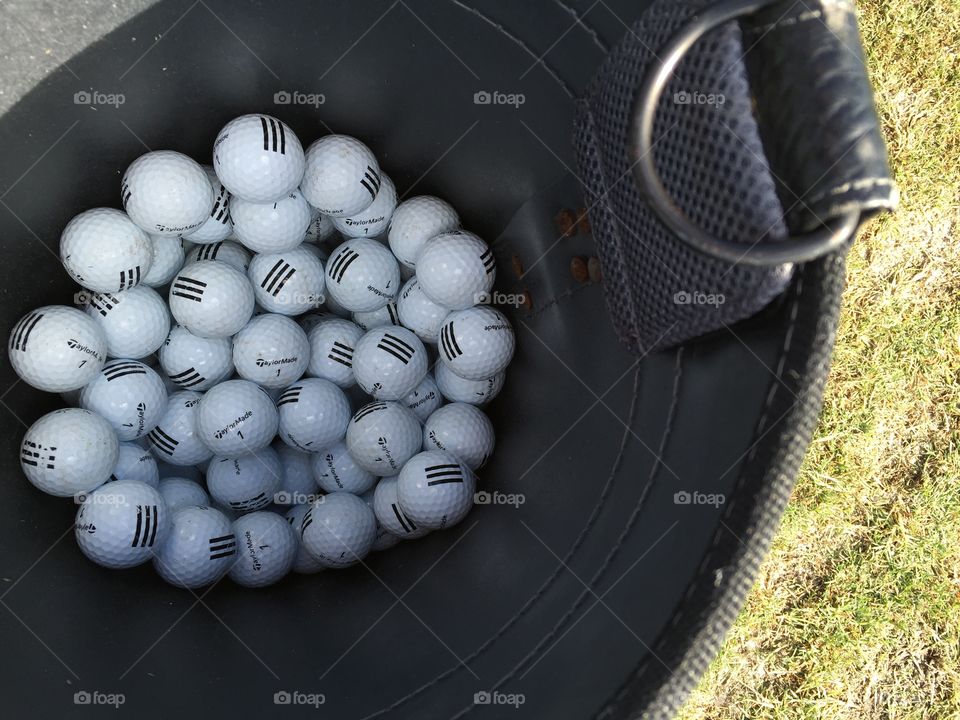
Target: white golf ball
{"type": "Point", "coordinates": [390, 515]}
{"type": "Point", "coordinates": [199, 548]}
{"type": "Point", "coordinates": [336, 470]}
{"type": "Point", "coordinates": [136, 463]}
{"type": "Point", "coordinates": [167, 193]}
{"type": "Point", "coordinates": [389, 363]}
{"type": "Point", "coordinates": [304, 562]}
{"type": "Point", "coordinates": [338, 530]}
{"type": "Point", "coordinates": [297, 485]}
{"type": "Point", "coordinates": [175, 439]}
{"type": "Point", "coordinates": [387, 315]}
{"type": "Point", "coordinates": [457, 389]}
{"type": "Point", "coordinates": [258, 158]}
{"type": "Point", "coordinates": [462, 430]}
{"type": "Point", "coordinates": [57, 348]}
{"type": "Point", "coordinates": [104, 250]}
{"type": "Point", "coordinates": [289, 282]}
{"type": "Point", "coordinates": [332, 341]}
{"type": "Point", "coordinates": [382, 436]}
{"type": "Point", "coordinates": [384, 539]}
{"type": "Point", "coordinates": [419, 313]}
{"type": "Point", "coordinates": [271, 227]}
{"type": "Point", "coordinates": [119, 524]}
{"type": "Point", "coordinates": [168, 257]}
{"type": "Point", "coordinates": [211, 299]}
{"type": "Point", "coordinates": [69, 451]}
{"type": "Point", "coordinates": [476, 343]}
{"type": "Point", "coordinates": [218, 225]}
{"type": "Point", "coordinates": [417, 220]}
{"type": "Point", "coordinates": [178, 492]}
{"type": "Point", "coordinates": [456, 270]}
{"type": "Point", "coordinates": [424, 399]}
{"type": "Point", "coordinates": [375, 218]}
{"type": "Point", "coordinates": [245, 483]}
{"type": "Point", "coordinates": [127, 394]}
{"type": "Point", "coordinates": [321, 228]}
{"type": "Point", "coordinates": [341, 176]}
{"type": "Point", "coordinates": [271, 350]}
{"type": "Point", "coordinates": [314, 414]}
{"type": "Point", "coordinates": [362, 275]}
{"type": "Point", "coordinates": [232, 253]}
{"type": "Point", "coordinates": [266, 549]}
{"type": "Point", "coordinates": [193, 362]}
{"type": "Point", "coordinates": [435, 489]}
{"type": "Point", "coordinates": [236, 417]}
{"type": "Point", "coordinates": [135, 322]}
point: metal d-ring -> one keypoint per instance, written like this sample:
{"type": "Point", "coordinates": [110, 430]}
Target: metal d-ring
{"type": "Point", "coordinates": [797, 248]}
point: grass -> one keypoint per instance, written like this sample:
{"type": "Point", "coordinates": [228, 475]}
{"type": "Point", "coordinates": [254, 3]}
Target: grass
{"type": "Point", "coordinates": [856, 612]}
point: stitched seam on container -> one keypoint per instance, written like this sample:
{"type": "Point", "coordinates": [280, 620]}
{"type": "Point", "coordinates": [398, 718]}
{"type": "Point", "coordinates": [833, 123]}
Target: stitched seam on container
{"type": "Point", "coordinates": [864, 184]}
{"type": "Point", "coordinates": [532, 601]}
{"type": "Point", "coordinates": [628, 527]}
{"type": "Point", "coordinates": [794, 313]}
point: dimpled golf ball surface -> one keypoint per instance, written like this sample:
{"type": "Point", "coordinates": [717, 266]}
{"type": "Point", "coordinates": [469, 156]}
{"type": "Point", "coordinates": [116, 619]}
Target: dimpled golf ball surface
{"type": "Point", "coordinates": [180, 492]}
{"type": "Point", "coordinates": [218, 225]}
{"type": "Point", "coordinates": [387, 315]}
{"type": "Point", "coordinates": [167, 259]}
{"type": "Point", "coordinates": [339, 530]}
{"type": "Point", "coordinates": [374, 219]}
{"type": "Point", "coordinates": [296, 482]}
{"type": "Point", "coordinates": [271, 227]}
{"type": "Point", "coordinates": [245, 483]}
{"type": "Point", "coordinates": [462, 430]}
{"type": "Point", "coordinates": [266, 549]}
{"type": "Point", "coordinates": [69, 451]}
{"type": "Point", "coordinates": [390, 515]}
{"type": "Point", "coordinates": [435, 489]}
{"type": "Point", "coordinates": [321, 228]}
{"type": "Point", "coordinates": [304, 562]}
{"type": "Point", "coordinates": [258, 158]}
{"type": "Point", "coordinates": [135, 322]}
{"type": "Point", "coordinates": [211, 299]}
{"type": "Point", "coordinates": [419, 313]}
{"type": "Point", "coordinates": [424, 399]}
{"type": "Point", "coordinates": [233, 254]}
{"type": "Point", "coordinates": [288, 283]}
{"type": "Point", "coordinates": [271, 350]}
{"type": "Point", "coordinates": [335, 470]}
{"type": "Point", "coordinates": [136, 463]}
{"type": "Point", "coordinates": [236, 417]}
{"type": "Point", "coordinates": [167, 193]}
{"type": "Point", "coordinates": [193, 362]}
{"type": "Point", "coordinates": [476, 343]}
{"type": "Point", "coordinates": [341, 176]}
{"type": "Point", "coordinates": [332, 341]}
{"type": "Point", "coordinates": [175, 439]}
{"type": "Point", "coordinates": [362, 275]}
{"type": "Point", "coordinates": [417, 220]}
{"type": "Point", "coordinates": [382, 436]}
{"type": "Point", "coordinates": [119, 524]}
{"type": "Point", "coordinates": [57, 348]}
{"type": "Point", "coordinates": [104, 250]}
{"type": "Point", "coordinates": [129, 395]}
{"type": "Point", "coordinates": [457, 389]}
{"type": "Point", "coordinates": [199, 548]}
{"type": "Point", "coordinates": [314, 414]}
{"type": "Point", "coordinates": [456, 270]}
{"type": "Point", "coordinates": [389, 363]}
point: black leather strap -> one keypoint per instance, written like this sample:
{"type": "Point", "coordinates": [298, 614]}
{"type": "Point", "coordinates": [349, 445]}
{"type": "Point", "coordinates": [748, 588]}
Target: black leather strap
{"type": "Point", "coordinates": [815, 111]}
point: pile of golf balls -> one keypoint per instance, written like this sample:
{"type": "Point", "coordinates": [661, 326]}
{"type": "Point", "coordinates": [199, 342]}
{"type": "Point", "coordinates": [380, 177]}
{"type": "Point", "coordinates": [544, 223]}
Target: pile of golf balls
{"type": "Point", "coordinates": [274, 366]}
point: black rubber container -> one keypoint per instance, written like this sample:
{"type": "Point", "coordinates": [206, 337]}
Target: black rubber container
{"type": "Point", "coordinates": [584, 600]}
